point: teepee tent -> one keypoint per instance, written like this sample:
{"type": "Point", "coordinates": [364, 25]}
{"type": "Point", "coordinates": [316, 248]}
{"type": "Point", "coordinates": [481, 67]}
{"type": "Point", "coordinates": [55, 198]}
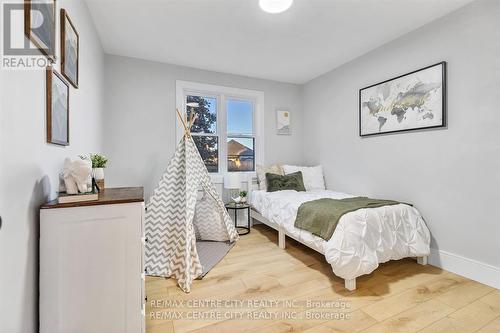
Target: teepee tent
{"type": "Point", "coordinates": [176, 215]}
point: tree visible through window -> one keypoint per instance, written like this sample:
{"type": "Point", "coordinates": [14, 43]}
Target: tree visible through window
{"type": "Point", "coordinates": [224, 137]}
{"type": "Point", "coordinates": [204, 130]}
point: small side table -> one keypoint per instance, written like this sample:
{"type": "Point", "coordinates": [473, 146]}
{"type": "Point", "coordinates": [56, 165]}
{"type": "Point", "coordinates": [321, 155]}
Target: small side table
{"type": "Point", "coordinates": [236, 207]}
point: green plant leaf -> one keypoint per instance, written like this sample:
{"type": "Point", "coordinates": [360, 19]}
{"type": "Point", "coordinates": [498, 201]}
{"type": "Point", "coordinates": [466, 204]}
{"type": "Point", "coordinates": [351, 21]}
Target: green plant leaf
{"type": "Point", "coordinates": [98, 161]}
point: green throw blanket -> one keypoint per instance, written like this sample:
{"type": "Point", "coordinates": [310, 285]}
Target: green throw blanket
{"type": "Point", "coordinates": [320, 217]}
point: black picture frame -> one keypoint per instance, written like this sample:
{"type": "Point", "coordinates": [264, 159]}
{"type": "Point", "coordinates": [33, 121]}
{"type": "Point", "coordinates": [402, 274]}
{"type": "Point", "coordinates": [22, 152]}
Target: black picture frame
{"type": "Point", "coordinates": [444, 117]}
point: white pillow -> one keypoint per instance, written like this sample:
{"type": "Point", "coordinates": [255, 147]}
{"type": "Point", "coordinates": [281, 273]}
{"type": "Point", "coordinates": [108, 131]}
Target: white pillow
{"type": "Point", "coordinates": [208, 223]}
{"type": "Point", "coordinates": [312, 176]}
{"type": "Point", "coordinates": [261, 174]}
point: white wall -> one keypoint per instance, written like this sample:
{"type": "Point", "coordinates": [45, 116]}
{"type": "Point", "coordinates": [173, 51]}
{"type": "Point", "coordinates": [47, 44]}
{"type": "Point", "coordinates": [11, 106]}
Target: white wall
{"type": "Point", "coordinates": [139, 135]}
{"type": "Point", "coordinates": [451, 175]}
{"type": "Point", "coordinates": [29, 166]}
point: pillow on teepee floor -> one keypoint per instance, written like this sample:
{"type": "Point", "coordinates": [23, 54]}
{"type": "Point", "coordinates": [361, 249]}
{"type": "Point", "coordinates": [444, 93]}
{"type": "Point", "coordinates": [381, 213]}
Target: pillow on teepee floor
{"type": "Point", "coordinates": [208, 224]}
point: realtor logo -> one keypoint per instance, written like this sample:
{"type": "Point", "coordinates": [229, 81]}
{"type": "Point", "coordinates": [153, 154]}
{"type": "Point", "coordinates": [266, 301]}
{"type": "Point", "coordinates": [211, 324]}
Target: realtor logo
{"type": "Point", "coordinates": [28, 39]}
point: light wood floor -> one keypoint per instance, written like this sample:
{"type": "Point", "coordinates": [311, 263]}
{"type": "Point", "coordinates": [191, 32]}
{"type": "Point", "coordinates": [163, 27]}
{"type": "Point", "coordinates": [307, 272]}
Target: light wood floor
{"type": "Point", "coordinates": [400, 296]}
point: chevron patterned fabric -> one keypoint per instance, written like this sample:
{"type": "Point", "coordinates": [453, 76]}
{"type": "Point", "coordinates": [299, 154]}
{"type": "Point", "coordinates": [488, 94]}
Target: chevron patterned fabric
{"type": "Point", "coordinates": [175, 216]}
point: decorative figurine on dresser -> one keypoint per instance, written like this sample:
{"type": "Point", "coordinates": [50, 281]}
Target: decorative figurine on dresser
{"type": "Point", "coordinates": [91, 264]}
{"type": "Point", "coordinates": [76, 182]}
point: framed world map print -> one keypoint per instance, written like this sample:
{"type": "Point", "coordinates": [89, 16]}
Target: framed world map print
{"type": "Point", "coordinates": [413, 101]}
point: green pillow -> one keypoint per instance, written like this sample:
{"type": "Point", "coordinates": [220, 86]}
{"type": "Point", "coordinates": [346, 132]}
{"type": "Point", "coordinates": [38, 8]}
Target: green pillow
{"type": "Point", "coordinates": [292, 181]}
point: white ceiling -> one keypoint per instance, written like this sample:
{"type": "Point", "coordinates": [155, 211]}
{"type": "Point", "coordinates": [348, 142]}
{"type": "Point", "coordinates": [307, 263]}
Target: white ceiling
{"type": "Point", "coordinates": [235, 36]}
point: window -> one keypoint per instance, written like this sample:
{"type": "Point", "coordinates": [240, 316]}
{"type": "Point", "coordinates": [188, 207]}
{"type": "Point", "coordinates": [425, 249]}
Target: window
{"type": "Point", "coordinates": [240, 139]}
{"type": "Point", "coordinates": [204, 129]}
{"type": "Point", "coordinates": [227, 132]}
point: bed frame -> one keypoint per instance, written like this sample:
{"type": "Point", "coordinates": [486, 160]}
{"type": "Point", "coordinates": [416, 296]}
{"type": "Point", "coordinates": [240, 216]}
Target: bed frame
{"type": "Point", "coordinates": [254, 214]}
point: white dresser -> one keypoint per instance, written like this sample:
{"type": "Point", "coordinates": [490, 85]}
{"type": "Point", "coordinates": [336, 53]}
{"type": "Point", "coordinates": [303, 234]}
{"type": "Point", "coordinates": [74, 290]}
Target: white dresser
{"type": "Point", "coordinates": [91, 264]}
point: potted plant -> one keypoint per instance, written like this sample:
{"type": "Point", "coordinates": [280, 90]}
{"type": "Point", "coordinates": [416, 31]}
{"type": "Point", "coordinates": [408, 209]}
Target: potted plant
{"type": "Point", "coordinates": [243, 196]}
{"type": "Point", "coordinates": [98, 164]}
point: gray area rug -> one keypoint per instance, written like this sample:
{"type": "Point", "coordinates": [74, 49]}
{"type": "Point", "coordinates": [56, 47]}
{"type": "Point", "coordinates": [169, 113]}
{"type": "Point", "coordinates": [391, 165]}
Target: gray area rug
{"type": "Point", "coordinates": [211, 253]}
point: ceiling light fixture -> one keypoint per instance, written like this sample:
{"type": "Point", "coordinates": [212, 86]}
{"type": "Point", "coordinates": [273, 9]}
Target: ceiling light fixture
{"type": "Point", "coordinates": [275, 6]}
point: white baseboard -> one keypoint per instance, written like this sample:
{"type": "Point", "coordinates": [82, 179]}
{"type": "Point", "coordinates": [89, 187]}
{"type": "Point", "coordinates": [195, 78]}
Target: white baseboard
{"type": "Point", "coordinates": [469, 268]}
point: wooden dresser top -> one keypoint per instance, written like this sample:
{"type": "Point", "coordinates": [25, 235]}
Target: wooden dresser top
{"type": "Point", "coordinates": [109, 196]}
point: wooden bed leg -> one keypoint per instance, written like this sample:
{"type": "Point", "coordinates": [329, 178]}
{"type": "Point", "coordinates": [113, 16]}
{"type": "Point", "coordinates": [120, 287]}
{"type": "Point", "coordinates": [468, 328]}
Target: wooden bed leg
{"type": "Point", "coordinates": [281, 238]}
{"type": "Point", "coordinates": [350, 284]}
{"type": "Point", "coordinates": [422, 260]}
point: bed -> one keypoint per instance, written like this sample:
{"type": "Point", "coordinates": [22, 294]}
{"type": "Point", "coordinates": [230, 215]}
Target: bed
{"type": "Point", "coordinates": [362, 240]}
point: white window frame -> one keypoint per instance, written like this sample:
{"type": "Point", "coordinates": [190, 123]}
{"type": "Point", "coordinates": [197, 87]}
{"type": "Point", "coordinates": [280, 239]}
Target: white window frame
{"type": "Point", "coordinates": [223, 93]}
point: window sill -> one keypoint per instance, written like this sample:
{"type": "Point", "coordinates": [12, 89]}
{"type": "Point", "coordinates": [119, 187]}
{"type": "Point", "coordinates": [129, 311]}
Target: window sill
{"type": "Point", "coordinates": [218, 178]}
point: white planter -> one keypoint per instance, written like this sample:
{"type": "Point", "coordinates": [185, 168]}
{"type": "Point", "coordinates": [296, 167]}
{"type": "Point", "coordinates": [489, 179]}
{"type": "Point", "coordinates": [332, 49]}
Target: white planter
{"type": "Point", "coordinates": [98, 173]}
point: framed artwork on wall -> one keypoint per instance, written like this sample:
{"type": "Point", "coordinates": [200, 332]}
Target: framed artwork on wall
{"type": "Point", "coordinates": [70, 43]}
{"type": "Point", "coordinates": [413, 101]}
{"type": "Point", "coordinates": [283, 122]}
{"type": "Point", "coordinates": [57, 100]}
{"type": "Point", "coordinates": [40, 26]}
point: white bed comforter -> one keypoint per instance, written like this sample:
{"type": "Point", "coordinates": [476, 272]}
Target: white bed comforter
{"type": "Point", "coordinates": [362, 239]}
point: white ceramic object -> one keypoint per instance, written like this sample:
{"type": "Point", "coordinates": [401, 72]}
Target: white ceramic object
{"type": "Point", "coordinates": [76, 176]}
{"type": "Point", "coordinates": [236, 200]}
{"type": "Point", "coordinates": [98, 173]}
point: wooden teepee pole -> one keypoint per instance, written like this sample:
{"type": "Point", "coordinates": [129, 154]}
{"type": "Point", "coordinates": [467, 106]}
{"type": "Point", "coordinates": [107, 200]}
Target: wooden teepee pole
{"type": "Point", "coordinates": [191, 122]}
{"type": "Point", "coordinates": [187, 123]}
{"type": "Point", "coordinates": [181, 118]}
